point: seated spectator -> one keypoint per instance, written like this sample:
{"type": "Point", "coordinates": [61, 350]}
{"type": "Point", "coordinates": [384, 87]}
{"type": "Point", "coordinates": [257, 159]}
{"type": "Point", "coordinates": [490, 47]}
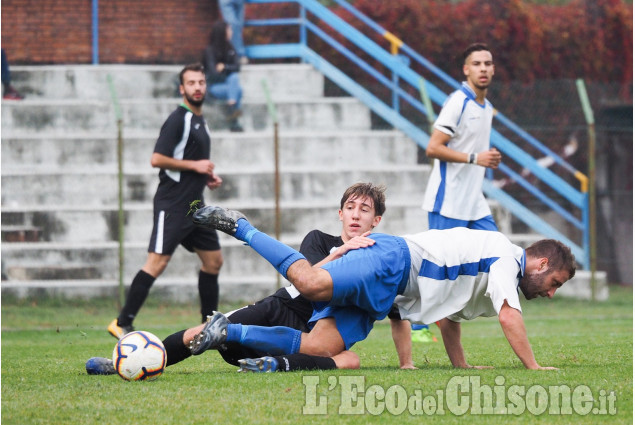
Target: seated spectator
{"type": "Point", "coordinates": [8, 92]}
{"type": "Point", "coordinates": [233, 12]}
{"type": "Point", "coordinates": [221, 69]}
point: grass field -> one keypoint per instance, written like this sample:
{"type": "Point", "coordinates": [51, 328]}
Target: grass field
{"type": "Point", "coordinates": [46, 343]}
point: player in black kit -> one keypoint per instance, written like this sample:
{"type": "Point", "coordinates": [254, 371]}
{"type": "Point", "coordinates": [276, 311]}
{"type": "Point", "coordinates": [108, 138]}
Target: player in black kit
{"type": "Point", "coordinates": [182, 154]}
{"type": "Point", "coordinates": [361, 208]}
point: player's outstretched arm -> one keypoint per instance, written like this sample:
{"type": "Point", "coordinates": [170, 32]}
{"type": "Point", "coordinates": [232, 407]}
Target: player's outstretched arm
{"type": "Point", "coordinates": [402, 338]}
{"type": "Point", "coordinates": [511, 321]}
{"type": "Point", "coordinates": [451, 333]}
{"type": "Point", "coordinates": [362, 241]}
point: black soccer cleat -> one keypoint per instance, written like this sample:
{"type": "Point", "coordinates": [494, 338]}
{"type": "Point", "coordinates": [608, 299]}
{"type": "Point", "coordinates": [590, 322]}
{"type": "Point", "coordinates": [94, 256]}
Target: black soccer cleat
{"type": "Point", "coordinates": [218, 218]}
{"type": "Point", "coordinates": [214, 333]}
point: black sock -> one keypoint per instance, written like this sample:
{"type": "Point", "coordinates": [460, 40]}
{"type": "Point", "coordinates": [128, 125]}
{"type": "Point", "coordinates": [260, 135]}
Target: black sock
{"type": "Point", "coordinates": [137, 295]}
{"type": "Point", "coordinates": [208, 291]}
{"type": "Point", "coordinates": [175, 349]}
{"type": "Point", "coordinates": [300, 361]}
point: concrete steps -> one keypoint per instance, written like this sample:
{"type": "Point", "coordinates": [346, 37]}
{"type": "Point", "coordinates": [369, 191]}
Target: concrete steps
{"type": "Point", "coordinates": [71, 115]}
{"type": "Point", "coordinates": [24, 152]}
{"type": "Point", "coordinates": [156, 81]}
{"type": "Point", "coordinates": [59, 174]}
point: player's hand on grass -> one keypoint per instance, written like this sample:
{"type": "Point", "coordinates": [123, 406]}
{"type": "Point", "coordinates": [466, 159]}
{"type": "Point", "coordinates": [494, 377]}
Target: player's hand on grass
{"type": "Point", "coordinates": [409, 366]}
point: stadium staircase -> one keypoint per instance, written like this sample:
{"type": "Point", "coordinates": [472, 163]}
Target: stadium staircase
{"type": "Point", "coordinates": [60, 185]}
{"type": "Point", "coordinates": [59, 163]}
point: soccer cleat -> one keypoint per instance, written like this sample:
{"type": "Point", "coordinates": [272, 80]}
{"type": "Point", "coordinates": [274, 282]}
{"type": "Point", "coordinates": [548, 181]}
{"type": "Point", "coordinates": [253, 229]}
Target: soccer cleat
{"type": "Point", "coordinates": [218, 218]}
{"type": "Point", "coordinates": [214, 333]}
{"type": "Point", "coordinates": [100, 366]}
{"type": "Point", "coordinates": [262, 364]}
{"type": "Point", "coordinates": [423, 335]}
{"type": "Point", "coordinates": [119, 331]}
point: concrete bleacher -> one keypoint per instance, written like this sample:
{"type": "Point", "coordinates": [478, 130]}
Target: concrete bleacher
{"type": "Point", "coordinates": [60, 183]}
{"type": "Point", "coordinates": [60, 175]}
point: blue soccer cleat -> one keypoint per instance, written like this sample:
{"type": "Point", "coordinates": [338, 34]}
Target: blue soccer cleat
{"type": "Point", "coordinates": [100, 366]}
{"type": "Point", "coordinates": [262, 364]}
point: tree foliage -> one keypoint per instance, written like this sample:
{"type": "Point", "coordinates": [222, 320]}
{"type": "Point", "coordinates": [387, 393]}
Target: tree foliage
{"type": "Point", "coordinates": [591, 39]}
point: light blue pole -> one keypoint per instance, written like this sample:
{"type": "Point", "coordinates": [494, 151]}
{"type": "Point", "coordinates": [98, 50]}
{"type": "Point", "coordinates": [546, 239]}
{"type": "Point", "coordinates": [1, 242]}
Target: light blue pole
{"type": "Point", "coordinates": [303, 40]}
{"type": "Point", "coordinates": [95, 32]}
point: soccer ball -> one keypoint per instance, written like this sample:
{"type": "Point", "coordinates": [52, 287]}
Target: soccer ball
{"type": "Point", "coordinates": [139, 356]}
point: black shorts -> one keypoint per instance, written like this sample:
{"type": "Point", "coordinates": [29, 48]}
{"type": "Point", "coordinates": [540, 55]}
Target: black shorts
{"type": "Point", "coordinates": [394, 313]}
{"type": "Point", "coordinates": [171, 229]}
{"type": "Point", "coordinates": [271, 311]}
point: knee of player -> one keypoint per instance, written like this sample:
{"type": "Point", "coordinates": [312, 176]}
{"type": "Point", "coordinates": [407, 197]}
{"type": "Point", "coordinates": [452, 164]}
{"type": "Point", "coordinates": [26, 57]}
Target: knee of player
{"type": "Point", "coordinates": [312, 285]}
{"type": "Point", "coordinates": [347, 360]}
{"type": "Point", "coordinates": [319, 348]}
{"type": "Point", "coordinates": [213, 264]}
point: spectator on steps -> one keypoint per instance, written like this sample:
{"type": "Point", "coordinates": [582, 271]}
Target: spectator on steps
{"type": "Point", "coordinates": [233, 12]}
{"type": "Point", "coordinates": [8, 91]}
{"type": "Point", "coordinates": [222, 66]}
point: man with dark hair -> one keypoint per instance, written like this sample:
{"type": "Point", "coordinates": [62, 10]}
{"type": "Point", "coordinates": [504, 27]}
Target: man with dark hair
{"type": "Point", "coordinates": [460, 146]}
{"type": "Point", "coordinates": [182, 154]}
{"type": "Point", "coordinates": [439, 275]}
{"type": "Point", "coordinates": [361, 208]}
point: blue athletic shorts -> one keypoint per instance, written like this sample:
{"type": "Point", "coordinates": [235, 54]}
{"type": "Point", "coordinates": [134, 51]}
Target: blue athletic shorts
{"type": "Point", "coordinates": [439, 222]}
{"type": "Point", "coordinates": [370, 278]}
{"type": "Point", "coordinates": [353, 323]}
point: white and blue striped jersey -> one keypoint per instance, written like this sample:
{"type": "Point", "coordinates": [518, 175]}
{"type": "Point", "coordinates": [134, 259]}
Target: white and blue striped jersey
{"type": "Point", "coordinates": [460, 274]}
{"type": "Point", "coordinates": [455, 189]}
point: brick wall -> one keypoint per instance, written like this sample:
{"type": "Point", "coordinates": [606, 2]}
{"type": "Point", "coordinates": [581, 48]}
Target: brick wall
{"type": "Point", "coordinates": [130, 31]}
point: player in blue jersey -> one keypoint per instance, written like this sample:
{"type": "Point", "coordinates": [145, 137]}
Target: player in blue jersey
{"type": "Point", "coordinates": [361, 208]}
{"type": "Point", "coordinates": [439, 275]}
{"type": "Point", "coordinates": [182, 154]}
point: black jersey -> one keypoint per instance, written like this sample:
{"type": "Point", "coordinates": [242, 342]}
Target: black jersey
{"type": "Point", "coordinates": [315, 246]}
{"type": "Point", "coordinates": [184, 135]}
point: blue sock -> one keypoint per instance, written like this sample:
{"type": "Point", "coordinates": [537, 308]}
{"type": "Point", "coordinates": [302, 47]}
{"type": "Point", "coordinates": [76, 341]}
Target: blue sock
{"type": "Point", "coordinates": [416, 327]}
{"type": "Point", "coordinates": [275, 341]}
{"type": "Point", "coordinates": [278, 254]}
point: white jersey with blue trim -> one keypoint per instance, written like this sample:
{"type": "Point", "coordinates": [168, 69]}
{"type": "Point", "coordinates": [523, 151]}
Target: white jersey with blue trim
{"type": "Point", "coordinates": [455, 189]}
{"type": "Point", "coordinates": [460, 274]}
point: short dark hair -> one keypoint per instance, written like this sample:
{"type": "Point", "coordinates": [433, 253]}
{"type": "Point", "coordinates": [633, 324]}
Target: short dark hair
{"type": "Point", "coordinates": [559, 255]}
{"type": "Point", "coordinates": [474, 47]}
{"type": "Point", "coordinates": [197, 66]}
{"type": "Point", "coordinates": [367, 190]}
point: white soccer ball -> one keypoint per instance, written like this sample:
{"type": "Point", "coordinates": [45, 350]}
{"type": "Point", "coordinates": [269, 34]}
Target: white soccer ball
{"type": "Point", "coordinates": [139, 356]}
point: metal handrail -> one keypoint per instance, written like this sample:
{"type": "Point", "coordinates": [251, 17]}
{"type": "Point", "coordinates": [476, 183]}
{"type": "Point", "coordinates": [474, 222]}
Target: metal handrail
{"type": "Point", "coordinates": [401, 71]}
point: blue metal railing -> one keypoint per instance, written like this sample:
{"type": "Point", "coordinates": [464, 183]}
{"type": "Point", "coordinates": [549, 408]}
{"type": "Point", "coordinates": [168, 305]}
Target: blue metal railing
{"type": "Point", "coordinates": [398, 62]}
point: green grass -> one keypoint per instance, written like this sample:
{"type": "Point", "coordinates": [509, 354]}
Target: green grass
{"type": "Point", "coordinates": [46, 343]}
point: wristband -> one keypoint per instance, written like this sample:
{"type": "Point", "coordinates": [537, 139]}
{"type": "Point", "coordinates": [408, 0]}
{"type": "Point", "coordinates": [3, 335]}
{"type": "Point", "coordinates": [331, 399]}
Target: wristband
{"type": "Point", "coordinates": [471, 159]}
